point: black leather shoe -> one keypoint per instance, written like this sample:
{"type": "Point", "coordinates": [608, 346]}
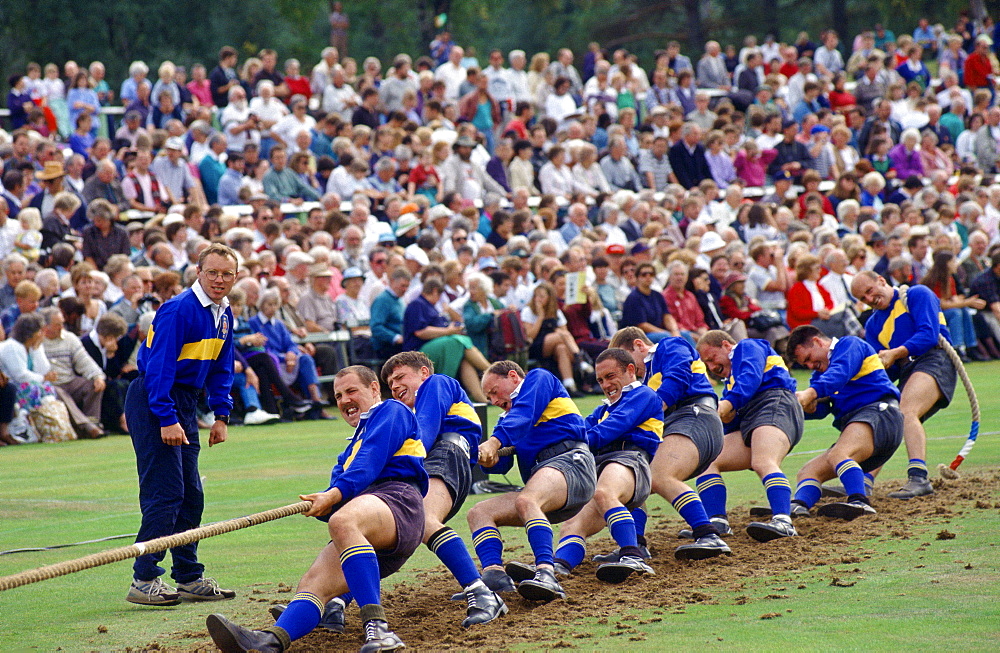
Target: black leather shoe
{"type": "Point", "coordinates": [484, 605]}
{"type": "Point", "coordinates": [519, 571]}
{"type": "Point", "coordinates": [232, 638]}
{"type": "Point", "coordinates": [543, 587]}
{"type": "Point", "coordinates": [618, 572]}
{"type": "Point", "coordinates": [616, 555]}
{"type": "Point", "coordinates": [702, 548]}
{"type": "Point", "coordinates": [333, 616]}
{"type": "Point", "coordinates": [378, 637]}
{"type": "Point", "coordinates": [498, 580]}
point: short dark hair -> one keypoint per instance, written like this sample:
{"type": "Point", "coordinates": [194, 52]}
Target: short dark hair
{"type": "Point", "coordinates": [503, 368]}
{"type": "Point", "coordinates": [412, 359]}
{"type": "Point", "coordinates": [622, 357]}
{"type": "Point", "coordinates": [111, 325]}
{"type": "Point", "coordinates": [799, 337]}
{"type": "Point", "coordinates": [365, 374]}
{"type": "Point", "coordinates": [26, 326]}
{"type": "Point", "coordinates": [220, 250]}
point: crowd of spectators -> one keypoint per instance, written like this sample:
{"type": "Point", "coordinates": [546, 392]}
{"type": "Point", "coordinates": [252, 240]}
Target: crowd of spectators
{"type": "Point", "coordinates": [451, 205]}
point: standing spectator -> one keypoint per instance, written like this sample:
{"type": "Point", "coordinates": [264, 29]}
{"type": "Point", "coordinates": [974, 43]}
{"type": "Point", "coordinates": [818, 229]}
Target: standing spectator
{"type": "Point", "coordinates": [211, 169]}
{"type": "Point", "coordinates": [339, 24]}
{"type": "Point", "coordinates": [712, 72]}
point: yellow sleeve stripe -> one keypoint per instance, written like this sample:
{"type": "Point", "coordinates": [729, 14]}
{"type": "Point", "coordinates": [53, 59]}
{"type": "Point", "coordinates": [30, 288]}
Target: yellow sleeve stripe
{"type": "Point", "coordinates": [871, 364]}
{"type": "Point", "coordinates": [354, 452]}
{"type": "Point", "coordinates": [558, 407]}
{"type": "Point", "coordinates": [698, 367]}
{"type": "Point", "coordinates": [655, 381]}
{"type": "Point", "coordinates": [465, 411]}
{"type": "Point", "coordinates": [149, 337]}
{"type": "Point", "coordinates": [654, 426]}
{"type": "Point", "coordinates": [412, 447]}
{"type": "Point", "coordinates": [885, 335]}
{"type": "Point", "coordinates": [774, 361]}
{"type": "Point", "coordinates": [203, 350]}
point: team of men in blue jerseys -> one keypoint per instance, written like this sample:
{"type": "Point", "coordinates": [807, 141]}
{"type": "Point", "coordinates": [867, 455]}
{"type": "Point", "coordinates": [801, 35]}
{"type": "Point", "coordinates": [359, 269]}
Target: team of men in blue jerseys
{"type": "Point", "coordinates": [408, 467]}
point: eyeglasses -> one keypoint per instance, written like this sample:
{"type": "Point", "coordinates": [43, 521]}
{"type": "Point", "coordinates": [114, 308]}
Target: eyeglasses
{"type": "Point", "coordinates": [379, 261]}
{"type": "Point", "coordinates": [458, 240]}
{"type": "Point", "coordinates": [647, 273]}
{"type": "Point", "coordinates": [212, 275]}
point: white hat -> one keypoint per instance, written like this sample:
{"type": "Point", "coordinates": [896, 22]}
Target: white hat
{"type": "Point", "coordinates": [172, 218]}
{"type": "Point", "coordinates": [711, 241]}
{"type": "Point", "coordinates": [298, 258]}
{"type": "Point", "coordinates": [414, 253]}
{"type": "Point", "coordinates": [406, 222]}
{"type": "Point", "coordinates": [439, 211]}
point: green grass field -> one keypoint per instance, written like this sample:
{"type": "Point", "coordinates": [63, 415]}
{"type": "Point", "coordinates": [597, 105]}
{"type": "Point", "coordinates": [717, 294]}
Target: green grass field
{"type": "Point", "coordinates": [61, 493]}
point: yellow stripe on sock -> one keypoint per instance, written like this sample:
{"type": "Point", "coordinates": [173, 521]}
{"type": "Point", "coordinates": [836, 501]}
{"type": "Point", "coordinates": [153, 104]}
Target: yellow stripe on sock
{"type": "Point", "coordinates": [846, 465]}
{"type": "Point", "coordinates": [684, 500]}
{"type": "Point", "coordinates": [350, 552]}
{"type": "Point", "coordinates": [776, 482]}
{"type": "Point", "coordinates": [312, 598]}
{"type": "Point", "coordinates": [571, 539]}
{"type": "Point", "coordinates": [486, 535]}
{"type": "Point", "coordinates": [712, 482]}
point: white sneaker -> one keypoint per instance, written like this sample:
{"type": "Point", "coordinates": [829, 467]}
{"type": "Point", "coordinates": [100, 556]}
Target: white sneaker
{"type": "Point", "coordinates": [259, 416]}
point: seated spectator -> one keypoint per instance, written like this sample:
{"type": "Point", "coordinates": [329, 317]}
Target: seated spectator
{"type": "Point", "coordinates": [104, 237]}
{"type": "Point", "coordinates": [319, 315]}
{"type": "Point", "coordinates": [551, 341]}
{"type": "Point", "coordinates": [26, 297]}
{"type": "Point", "coordinates": [590, 324]}
{"type": "Point", "coordinates": [808, 302]}
{"type": "Point", "coordinates": [354, 313]}
{"type": "Point", "coordinates": [25, 367]}
{"type": "Point", "coordinates": [387, 315]}
{"type": "Point", "coordinates": [79, 381]}
{"type": "Point", "coordinates": [251, 345]}
{"type": "Point", "coordinates": [905, 157]}
{"type": "Point", "coordinates": [737, 304]}
{"type": "Point", "coordinates": [110, 346]}
{"type": "Point", "coordinates": [682, 304]}
{"type": "Point", "coordinates": [427, 330]}
{"type": "Point", "coordinates": [295, 365]}
{"type": "Point", "coordinates": [479, 312]}
{"type": "Point", "coordinates": [645, 308]}
{"type": "Point", "coordinates": [957, 308]}
{"type": "Point", "coordinates": [699, 283]}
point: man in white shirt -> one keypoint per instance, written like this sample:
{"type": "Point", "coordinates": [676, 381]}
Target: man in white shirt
{"type": "Point", "coordinates": [829, 61]}
{"type": "Point", "coordinates": [837, 280]}
{"type": "Point", "coordinates": [518, 77]}
{"type": "Point", "coordinates": [339, 97]}
{"type": "Point", "coordinates": [240, 125]}
{"type": "Point", "coordinates": [452, 73]}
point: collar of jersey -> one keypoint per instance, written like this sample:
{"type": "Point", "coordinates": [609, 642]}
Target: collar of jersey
{"type": "Point", "coordinates": [203, 297]}
{"type": "Point", "coordinates": [625, 388]}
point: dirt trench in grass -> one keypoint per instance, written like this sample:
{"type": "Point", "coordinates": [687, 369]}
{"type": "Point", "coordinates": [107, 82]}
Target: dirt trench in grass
{"type": "Point", "coordinates": [421, 614]}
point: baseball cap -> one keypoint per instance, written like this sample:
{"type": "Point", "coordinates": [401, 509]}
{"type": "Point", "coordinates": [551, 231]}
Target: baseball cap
{"type": "Point", "coordinates": [639, 248]}
{"type": "Point", "coordinates": [386, 237]}
{"type": "Point", "coordinates": [414, 253]}
{"type": "Point", "coordinates": [174, 143]}
{"type": "Point", "coordinates": [612, 250]}
{"type": "Point", "coordinates": [788, 122]}
{"type": "Point", "coordinates": [816, 129]}
{"type": "Point", "coordinates": [487, 262]}
{"type": "Point", "coordinates": [351, 273]}
{"type": "Point", "coordinates": [783, 175]}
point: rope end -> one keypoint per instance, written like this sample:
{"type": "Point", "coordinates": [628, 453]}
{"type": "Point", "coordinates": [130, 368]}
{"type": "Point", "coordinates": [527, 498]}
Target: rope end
{"type": "Point", "coordinates": [949, 472]}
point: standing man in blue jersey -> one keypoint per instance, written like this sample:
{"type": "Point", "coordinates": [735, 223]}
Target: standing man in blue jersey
{"type": "Point", "coordinates": [905, 330]}
{"type": "Point", "coordinates": [189, 348]}
{"type": "Point", "coordinates": [547, 432]}
{"type": "Point", "coordinates": [450, 431]}
{"type": "Point", "coordinates": [692, 432]}
{"type": "Point", "coordinates": [623, 433]}
{"type": "Point", "coordinates": [763, 421]}
{"type": "Point", "coordinates": [848, 381]}
{"type": "Point", "coordinates": [375, 513]}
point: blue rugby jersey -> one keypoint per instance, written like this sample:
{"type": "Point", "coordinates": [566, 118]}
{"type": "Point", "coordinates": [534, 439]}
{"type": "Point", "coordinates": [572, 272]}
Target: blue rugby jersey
{"type": "Point", "coordinates": [756, 367]}
{"type": "Point", "coordinates": [185, 345]}
{"type": "Point", "coordinates": [442, 406]}
{"type": "Point", "coordinates": [854, 378]}
{"type": "Point", "coordinates": [385, 447]}
{"type": "Point", "coordinates": [637, 418]}
{"type": "Point", "coordinates": [915, 326]}
{"type": "Point", "coordinates": [541, 415]}
{"type": "Point", "coordinates": [676, 372]}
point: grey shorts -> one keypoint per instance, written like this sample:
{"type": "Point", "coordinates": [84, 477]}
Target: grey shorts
{"type": "Point", "coordinates": [703, 426]}
{"type": "Point", "coordinates": [638, 462]}
{"type": "Point", "coordinates": [450, 463]}
{"type": "Point", "coordinates": [887, 427]}
{"type": "Point", "coordinates": [776, 407]}
{"type": "Point", "coordinates": [937, 364]}
{"type": "Point", "coordinates": [577, 466]}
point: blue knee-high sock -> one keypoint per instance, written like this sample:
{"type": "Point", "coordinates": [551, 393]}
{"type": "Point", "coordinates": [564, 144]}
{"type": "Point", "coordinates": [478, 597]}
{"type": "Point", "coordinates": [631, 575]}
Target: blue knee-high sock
{"type": "Point", "coordinates": [712, 491]}
{"type": "Point", "coordinates": [808, 492]}
{"type": "Point", "coordinates": [571, 550]}
{"type": "Point", "coordinates": [917, 467]}
{"type": "Point", "coordinates": [622, 528]}
{"type": "Point", "coordinates": [449, 547]}
{"type": "Point", "coordinates": [851, 476]}
{"type": "Point", "coordinates": [869, 483]}
{"type": "Point", "coordinates": [360, 566]}
{"type": "Point", "coordinates": [301, 616]}
{"type": "Point", "coordinates": [639, 516]}
{"type": "Point", "coordinates": [779, 493]}
{"type": "Point", "coordinates": [690, 507]}
{"type": "Point", "coordinates": [489, 546]}
{"type": "Point", "coordinates": [346, 597]}
{"type": "Point", "coordinates": [540, 539]}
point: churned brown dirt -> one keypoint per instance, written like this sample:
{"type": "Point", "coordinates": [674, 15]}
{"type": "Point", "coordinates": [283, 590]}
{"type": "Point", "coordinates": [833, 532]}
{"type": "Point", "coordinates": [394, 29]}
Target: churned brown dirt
{"type": "Point", "coordinates": [421, 614]}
